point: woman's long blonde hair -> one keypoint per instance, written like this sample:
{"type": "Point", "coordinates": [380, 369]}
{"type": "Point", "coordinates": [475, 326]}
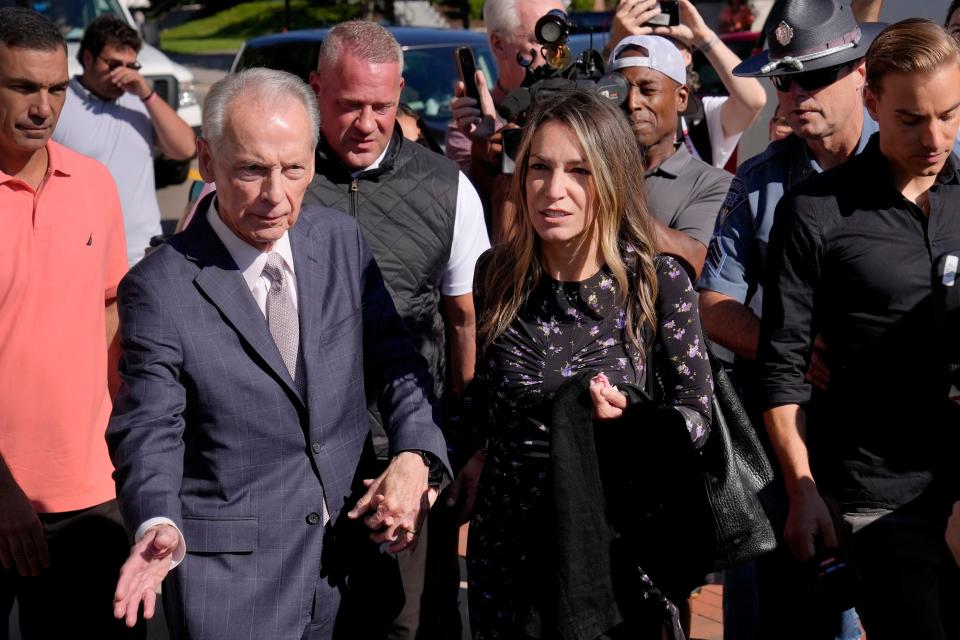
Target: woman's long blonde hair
{"type": "Point", "coordinates": [622, 222]}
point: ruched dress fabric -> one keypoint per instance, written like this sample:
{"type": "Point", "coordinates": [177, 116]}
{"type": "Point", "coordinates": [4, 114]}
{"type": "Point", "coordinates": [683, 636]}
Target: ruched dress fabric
{"type": "Point", "coordinates": [564, 328]}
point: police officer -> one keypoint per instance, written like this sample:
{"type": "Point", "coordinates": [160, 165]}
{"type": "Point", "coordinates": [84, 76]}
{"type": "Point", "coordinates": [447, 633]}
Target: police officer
{"type": "Point", "coordinates": [815, 62]}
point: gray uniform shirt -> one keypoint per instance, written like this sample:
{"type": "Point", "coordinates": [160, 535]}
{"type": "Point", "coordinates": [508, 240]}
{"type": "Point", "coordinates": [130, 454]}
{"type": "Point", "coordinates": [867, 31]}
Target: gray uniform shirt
{"type": "Point", "coordinates": [685, 194]}
{"type": "Point", "coordinates": [119, 134]}
{"type": "Point", "coordinates": [737, 254]}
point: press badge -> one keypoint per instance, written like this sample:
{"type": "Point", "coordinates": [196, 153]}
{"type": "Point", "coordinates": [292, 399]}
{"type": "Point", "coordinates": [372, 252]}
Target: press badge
{"type": "Point", "coordinates": [950, 263]}
{"type": "Point", "coordinates": [947, 310]}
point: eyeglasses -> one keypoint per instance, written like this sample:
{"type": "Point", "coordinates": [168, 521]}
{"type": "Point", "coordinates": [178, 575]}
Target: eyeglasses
{"type": "Point", "coordinates": [810, 80]}
{"type": "Point", "coordinates": [116, 64]}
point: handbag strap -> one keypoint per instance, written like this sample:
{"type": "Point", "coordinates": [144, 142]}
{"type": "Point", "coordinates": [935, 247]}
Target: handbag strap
{"type": "Point", "coordinates": [663, 605]}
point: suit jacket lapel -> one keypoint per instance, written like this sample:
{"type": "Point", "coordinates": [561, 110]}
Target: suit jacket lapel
{"type": "Point", "coordinates": [221, 280]}
{"type": "Point", "coordinates": [311, 276]}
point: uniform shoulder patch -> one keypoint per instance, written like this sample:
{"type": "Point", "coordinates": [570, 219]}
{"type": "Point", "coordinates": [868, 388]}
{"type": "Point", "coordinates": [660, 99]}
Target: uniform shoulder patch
{"type": "Point", "coordinates": [736, 195]}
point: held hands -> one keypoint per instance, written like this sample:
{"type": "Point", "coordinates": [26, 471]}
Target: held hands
{"type": "Point", "coordinates": [608, 401]}
{"type": "Point", "coordinates": [22, 541]}
{"type": "Point", "coordinates": [399, 500]}
{"type": "Point", "coordinates": [808, 520]}
{"type": "Point", "coordinates": [142, 573]}
{"type": "Point", "coordinates": [632, 16]}
{"type": "Point", "coordinates": [130, 81]}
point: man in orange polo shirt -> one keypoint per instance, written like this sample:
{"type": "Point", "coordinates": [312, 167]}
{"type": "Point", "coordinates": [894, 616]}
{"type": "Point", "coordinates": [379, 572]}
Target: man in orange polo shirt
{"type": "Point", "coordinates": [62, 255]}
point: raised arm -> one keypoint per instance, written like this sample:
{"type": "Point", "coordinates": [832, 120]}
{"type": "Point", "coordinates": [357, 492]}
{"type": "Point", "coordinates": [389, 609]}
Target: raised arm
{"type": "Point", "coordinates": [174, 136]}
{"type": "Point", "coordinates": [747, 97]}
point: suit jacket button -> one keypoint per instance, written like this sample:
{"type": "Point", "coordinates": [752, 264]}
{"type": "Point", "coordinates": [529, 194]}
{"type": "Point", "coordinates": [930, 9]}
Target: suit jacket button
{"type": "Point", "coordinates": [317, 447]}
{"type": "Point", "coordinates": [313, 518]}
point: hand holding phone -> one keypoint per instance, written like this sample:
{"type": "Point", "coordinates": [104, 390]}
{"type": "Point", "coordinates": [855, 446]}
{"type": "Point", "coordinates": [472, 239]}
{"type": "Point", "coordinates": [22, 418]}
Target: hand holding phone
{"type": "Point", "coordinates": [467, 70]}
{"type": "Point", "coordinates": [669, 15]}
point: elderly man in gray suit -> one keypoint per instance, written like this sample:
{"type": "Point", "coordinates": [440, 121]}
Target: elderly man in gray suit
{"type": "Point", "coordinates": [248, 345]}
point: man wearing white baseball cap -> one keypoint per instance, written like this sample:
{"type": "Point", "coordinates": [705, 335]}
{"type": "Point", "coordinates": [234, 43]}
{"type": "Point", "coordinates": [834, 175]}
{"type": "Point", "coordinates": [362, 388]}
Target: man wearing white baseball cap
{"type": "Point", "coordinates": [683, 193]}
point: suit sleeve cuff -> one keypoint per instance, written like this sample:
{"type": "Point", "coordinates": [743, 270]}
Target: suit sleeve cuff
{"type": "Point", "coordinates": [179, 553]}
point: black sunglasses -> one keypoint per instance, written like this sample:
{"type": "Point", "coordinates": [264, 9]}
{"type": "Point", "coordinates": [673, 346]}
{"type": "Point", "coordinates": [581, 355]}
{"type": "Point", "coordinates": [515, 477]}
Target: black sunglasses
{"type": "Point", "coordinates": [810, 80]}
{"type": "Point", "coordinates": [116, 64]}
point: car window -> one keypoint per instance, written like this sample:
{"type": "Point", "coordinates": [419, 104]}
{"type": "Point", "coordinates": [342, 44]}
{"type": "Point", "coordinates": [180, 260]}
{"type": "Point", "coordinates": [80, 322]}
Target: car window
{"type": "Point", "coordinates": [72, 16]}
{"type": "Point", "coordinates": [429, 74]}
{"type": "Point", "coordinates": [298, 58]}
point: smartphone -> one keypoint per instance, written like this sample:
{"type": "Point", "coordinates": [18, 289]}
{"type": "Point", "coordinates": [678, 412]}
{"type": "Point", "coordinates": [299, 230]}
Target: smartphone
{"type": "Point", "coordinates": [467, 69]}
{"type": "Point", "coordinates": [669, 14]}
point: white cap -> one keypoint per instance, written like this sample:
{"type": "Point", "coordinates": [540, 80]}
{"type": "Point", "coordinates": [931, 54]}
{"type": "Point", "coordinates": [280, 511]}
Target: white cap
{"type": "Point", "coordinates": [662, 55]}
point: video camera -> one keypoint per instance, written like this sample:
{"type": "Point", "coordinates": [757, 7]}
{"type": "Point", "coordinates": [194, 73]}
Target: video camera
{"type": "Point", "coordinates": [560, 72]}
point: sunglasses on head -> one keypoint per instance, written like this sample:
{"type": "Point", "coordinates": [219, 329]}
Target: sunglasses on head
{"type": "Point", "coordinates": [810, 80]}
{"type": "Point", "coordinates": [116, 64]}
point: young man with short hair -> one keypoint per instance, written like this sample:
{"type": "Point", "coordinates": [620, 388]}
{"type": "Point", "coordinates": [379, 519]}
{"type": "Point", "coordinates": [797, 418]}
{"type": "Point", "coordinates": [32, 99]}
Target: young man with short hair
{"type": "Point", "coordinates": [114, 116]}
{"type": "Point", "coordinates": [683, 192]}
{"type": "Point", "coordinates": [853, 258]}
{"type": "Point", "coordinates": [424, 222]}
{"type": "Point", "coordinates": [821, 100]}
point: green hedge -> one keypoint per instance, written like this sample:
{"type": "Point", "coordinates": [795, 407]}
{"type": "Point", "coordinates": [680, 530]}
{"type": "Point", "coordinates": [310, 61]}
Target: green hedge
{"type": "Point", "coordinates": [228, 29]}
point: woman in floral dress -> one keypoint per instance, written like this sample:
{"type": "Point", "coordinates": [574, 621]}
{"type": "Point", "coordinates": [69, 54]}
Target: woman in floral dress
{"type": "Point", "coordinates": [575, 288]}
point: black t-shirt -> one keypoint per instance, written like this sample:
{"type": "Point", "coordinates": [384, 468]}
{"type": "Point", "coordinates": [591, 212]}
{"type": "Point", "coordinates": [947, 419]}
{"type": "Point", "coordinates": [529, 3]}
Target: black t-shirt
{"type": "Point", "coordinates": [853, 260]}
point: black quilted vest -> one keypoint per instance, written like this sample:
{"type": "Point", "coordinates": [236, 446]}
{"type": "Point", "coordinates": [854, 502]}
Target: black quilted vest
{"type": "Point", "coordinates": [406, 209]}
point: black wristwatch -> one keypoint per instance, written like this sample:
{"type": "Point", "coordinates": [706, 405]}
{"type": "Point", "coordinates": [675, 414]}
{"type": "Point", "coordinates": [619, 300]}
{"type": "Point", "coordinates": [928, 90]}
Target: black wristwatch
{"type": "Point", "coordinates": [434, 466]}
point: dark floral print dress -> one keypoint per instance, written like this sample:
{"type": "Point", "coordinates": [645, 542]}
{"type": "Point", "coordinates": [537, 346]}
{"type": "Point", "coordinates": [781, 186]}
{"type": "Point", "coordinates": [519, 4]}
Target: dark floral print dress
{"type": "Point", "coordinates": [564, 328]}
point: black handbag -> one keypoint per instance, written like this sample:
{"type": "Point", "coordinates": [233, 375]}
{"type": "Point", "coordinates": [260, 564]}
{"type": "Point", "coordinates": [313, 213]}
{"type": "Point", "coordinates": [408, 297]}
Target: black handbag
{"type": "Point", "coordinates": [734, 471]}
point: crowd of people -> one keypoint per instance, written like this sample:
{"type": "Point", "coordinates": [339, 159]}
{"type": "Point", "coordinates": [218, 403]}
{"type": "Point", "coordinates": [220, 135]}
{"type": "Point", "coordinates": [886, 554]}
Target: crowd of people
{"type": "Point", "coordinates": [284, 413]}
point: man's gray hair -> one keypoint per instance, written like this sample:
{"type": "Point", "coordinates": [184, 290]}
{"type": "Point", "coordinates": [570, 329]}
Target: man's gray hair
{"type": "Point", "coordinates": [364, 39]}
{"type": "Point", "coordinates": [502, 16]}
{"type": "Point", "coordinates": [266, 85]}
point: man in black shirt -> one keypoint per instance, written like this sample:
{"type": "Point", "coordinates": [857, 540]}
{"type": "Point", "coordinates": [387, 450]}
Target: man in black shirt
{"type": "Point", "coordinates": [853, 257]}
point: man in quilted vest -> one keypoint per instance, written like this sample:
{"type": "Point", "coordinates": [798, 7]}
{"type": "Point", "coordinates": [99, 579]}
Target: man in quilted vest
{"type": "Point", "coordinates": [424, 223]}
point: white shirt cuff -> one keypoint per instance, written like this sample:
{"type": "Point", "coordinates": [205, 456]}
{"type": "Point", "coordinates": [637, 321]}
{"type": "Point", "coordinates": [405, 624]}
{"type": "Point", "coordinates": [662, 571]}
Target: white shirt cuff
{"type": "Point", "coordinates": [179, 553]}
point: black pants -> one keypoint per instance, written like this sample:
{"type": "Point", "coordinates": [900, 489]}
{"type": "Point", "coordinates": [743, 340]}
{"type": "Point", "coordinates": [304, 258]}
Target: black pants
{"type": "Point", "coordinates": [911, 583]}
{"type": "Point", "coordinates": [73, 597]}
{"type": "Point", "coordinates": [440, 603]}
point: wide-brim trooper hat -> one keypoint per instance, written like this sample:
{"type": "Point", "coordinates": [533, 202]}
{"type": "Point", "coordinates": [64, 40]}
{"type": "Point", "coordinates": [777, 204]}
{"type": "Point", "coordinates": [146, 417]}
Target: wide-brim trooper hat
{"type": "Point", "coordinates": [806, 35]}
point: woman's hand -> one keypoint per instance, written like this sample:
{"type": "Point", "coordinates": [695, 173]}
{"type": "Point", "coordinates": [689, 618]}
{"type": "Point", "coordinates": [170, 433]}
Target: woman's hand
{"type": "Point", "coordinates": [462, 493]}
{"type": "Point", "coordinates": [608, 401]}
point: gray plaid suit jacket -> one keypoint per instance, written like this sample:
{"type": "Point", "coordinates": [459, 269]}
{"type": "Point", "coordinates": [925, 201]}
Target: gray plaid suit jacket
{"type": "Point", "coordinates": [210, 431]}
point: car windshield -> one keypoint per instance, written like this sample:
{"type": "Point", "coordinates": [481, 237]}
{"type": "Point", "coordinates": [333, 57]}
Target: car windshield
{"type": "Point", "coordinates": [429, 74]}
{"type": "Point", "coordinates": [72, 16]}
{"type": "Point", "coordinates": [429, 71]}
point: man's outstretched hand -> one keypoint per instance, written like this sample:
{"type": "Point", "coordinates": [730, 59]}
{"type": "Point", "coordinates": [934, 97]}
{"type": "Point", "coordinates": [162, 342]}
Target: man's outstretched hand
{"type": "Point", "coordinates": [149, 562]}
